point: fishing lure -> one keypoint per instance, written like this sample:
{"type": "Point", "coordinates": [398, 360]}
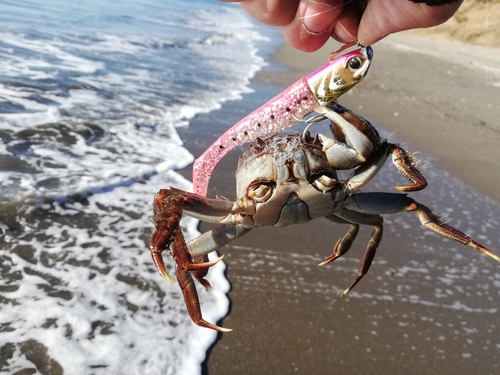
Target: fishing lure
{"type": "Point", "coordinates": [310, 93]}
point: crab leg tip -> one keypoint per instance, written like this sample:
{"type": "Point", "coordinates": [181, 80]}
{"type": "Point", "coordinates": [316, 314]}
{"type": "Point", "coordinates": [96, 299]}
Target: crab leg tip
{"type": "Point", "coordinates": [167, 277]}
{"type": "Point", "coordinates": [159, 264]}
{"type": "Point", "coordinates": [487, 252]}
{"type": "Point", "coordinates": [483, 249]}
{"type": "Point", "coordinates": [344, 293]}
{"type": "Point", "coordinates": [494, 256]}
{"type": "Point", "coordinates": [204, 323]}
{"type": "Point", "coordinates": [328, 260]}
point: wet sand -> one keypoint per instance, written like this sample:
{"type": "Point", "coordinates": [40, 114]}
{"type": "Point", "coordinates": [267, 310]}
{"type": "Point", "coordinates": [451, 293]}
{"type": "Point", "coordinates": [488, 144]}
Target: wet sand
{"type": "Point", "coordinates": [428, 305]}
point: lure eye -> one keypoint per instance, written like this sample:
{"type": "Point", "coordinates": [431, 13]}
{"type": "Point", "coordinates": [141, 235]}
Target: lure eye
{"type": "Point", "coordinates": [354, 63]}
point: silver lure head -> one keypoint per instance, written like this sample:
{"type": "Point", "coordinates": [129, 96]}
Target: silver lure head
{"type": "Point", "coordinates": [340, 74]}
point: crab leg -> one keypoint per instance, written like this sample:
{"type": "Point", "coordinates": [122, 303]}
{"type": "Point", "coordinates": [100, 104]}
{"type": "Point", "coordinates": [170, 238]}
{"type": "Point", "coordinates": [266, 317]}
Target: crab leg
{"type": "Point", "coordinates": [198, 248]}
{"type": "Point", "coordinates": [184, 270]}
{"type": "Point", "coordinates": [206, 209]}
{"type": "Point", "coordinates": [364, 208]}
{"type": "Point", "coordinates": [344, 244]}
{"type": "Point", "coordinates": [385, 203]}
{"type": "Point", "coordinates": [356, 137]}
{"type": "Point", "coordinates": [403, 160]}
{"type": "Point", "coordinates": [215, 238]}
{"type": "Point", "coordinates": [306, 95]}
{"type": "Point", "coordinates": [357, 143]}
{"type": "Point", "coordinates": [191, 259]}
{"type": "Point", "coordinates": [191, 299]}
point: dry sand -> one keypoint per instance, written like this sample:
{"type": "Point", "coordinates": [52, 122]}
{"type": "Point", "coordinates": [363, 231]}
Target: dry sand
{"type": "Point", "coordinates": [427, 306]}
{"type": "Point", "coordinates": [476, 22]}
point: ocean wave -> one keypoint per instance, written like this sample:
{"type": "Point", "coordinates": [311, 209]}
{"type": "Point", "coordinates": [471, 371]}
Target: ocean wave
{"type": "Point", "coordinates": [89, 104]}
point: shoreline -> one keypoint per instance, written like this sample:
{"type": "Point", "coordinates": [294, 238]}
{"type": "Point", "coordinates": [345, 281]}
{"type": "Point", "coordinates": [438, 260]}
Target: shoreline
{"type": "Point", "coordinates": [285, 310]}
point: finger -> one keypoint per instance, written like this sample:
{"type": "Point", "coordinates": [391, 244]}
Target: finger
{"type": "Point", "coordinates": [346, 28]}
{"type": "Point", "coordinates": [319, 15]}
{"type": "Point", "coordinates": [271, 12]}
{"type": "Point", "coordinates": [382, 18]}
{"type": "Point", "coordinates": [313, 24]}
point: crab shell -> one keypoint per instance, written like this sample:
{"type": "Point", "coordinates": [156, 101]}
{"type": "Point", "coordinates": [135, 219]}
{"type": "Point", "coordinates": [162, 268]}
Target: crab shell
{"type": "Point", "coordinates": [289, 179]}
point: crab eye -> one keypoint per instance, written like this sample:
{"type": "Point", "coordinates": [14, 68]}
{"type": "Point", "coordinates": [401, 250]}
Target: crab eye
{"type": "Point", "coordinates": [259, 191]}
{"type": "Point", "coordinates": [324, 183]}
{"type": "Point", "coordinates": [354, 63]}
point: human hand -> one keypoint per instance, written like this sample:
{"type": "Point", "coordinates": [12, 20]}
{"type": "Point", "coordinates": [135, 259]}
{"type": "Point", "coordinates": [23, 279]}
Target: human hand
{"type": "Point", "coordinates": [307, 24]}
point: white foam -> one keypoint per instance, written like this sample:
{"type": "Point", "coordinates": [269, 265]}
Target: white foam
{"type": "Point", "coordinates": [97, 112]}
{"type": "Point", "coordinates": [136, 339]}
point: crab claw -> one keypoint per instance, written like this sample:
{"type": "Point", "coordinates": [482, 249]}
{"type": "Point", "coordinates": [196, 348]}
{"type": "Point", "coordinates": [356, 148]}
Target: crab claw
{"type": "Point", "coordinates": [167, 229]}
{"type": "Point", "coordinates": [199, 273]}
{"type": "Point", "coordinates": [199, 266]}
{"type": "Point", "coordinates": [159, 264]}
{"type": "Point", "coordinates": [168, 207]}
{"type": "Point", "coordinates": [203, 265]}
{"type": "Point", "coordinates": [405, 163]}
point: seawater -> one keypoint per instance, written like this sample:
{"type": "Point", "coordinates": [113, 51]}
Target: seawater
{"type": "Point", "coordinates": [91, 94]}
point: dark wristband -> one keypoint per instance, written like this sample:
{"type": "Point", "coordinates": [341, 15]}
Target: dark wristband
{"type": "Point", "coordinates": [433, 2]}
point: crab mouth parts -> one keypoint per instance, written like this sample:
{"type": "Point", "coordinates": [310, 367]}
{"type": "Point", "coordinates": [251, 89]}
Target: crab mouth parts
{"type": "Point", "coordinates": [293, 212]}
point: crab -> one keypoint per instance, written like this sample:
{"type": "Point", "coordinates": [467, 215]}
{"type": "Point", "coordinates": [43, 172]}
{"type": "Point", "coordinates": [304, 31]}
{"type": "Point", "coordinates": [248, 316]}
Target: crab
{"type": "Point", "coordinates": [288, 180]}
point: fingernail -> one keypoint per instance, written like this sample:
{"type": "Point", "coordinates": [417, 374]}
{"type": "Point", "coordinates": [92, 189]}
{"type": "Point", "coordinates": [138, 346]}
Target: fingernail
{"type": "Point", "coordinates": [318, 16]}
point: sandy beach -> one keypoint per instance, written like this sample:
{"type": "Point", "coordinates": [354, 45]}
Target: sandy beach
{"type": "Point", "coordinates": [428, 305]}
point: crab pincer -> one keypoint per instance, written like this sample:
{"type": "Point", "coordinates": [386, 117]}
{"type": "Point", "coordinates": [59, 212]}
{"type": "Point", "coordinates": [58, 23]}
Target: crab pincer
{"type": "Point", "coordinates": [167, 209]}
